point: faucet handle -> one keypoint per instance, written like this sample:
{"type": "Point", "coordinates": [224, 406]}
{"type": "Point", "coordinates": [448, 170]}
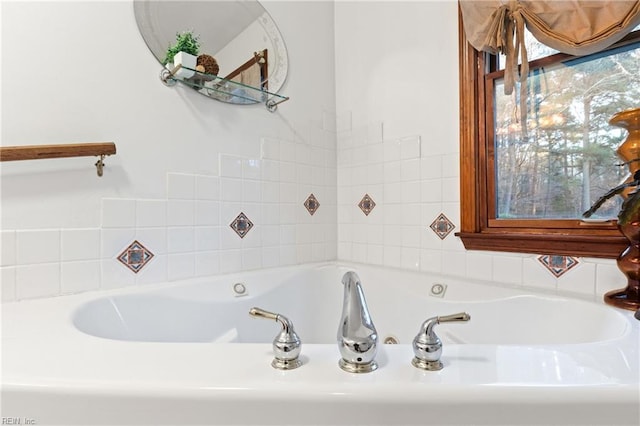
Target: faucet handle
{"type": "Point", "coordinates": [460, 316]}
{"type": "Point", "coordinates": [427, 346]}
{"type": "Point", "coordinates": [286, 345]}
{"type": "Point", "coordinates": [261, 313]}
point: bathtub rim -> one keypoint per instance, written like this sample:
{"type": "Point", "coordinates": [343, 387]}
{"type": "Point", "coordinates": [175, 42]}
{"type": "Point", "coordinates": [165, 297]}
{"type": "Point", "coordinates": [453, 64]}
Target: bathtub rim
{"type": "Point", "coordinates": [480, 283]}
{"type": "Point", "coordinates": [105, 368]}
{"type": "Point", "coordinates": [488, 291]}
{"type": "Point", "coordinates": [37, 326]}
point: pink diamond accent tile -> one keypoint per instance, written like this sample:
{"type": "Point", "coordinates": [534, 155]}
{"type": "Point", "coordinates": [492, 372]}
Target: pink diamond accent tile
{"type": "Point", "coordinates": [366, 204]}
{"type": "Point", "coordinates": [241, 225]}
{"type": "Point", "coordinates": [442, 226]}
{"type": "Point", "coordinates": [135, 257]}
{"type": "Point", "coordinates": [558, 265]}
{"type": "Point", "coordinates": [311, 204]}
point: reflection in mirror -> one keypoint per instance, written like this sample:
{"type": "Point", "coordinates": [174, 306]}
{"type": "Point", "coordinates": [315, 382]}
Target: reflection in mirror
{"type": "Point", "coordinates": [237, 39]}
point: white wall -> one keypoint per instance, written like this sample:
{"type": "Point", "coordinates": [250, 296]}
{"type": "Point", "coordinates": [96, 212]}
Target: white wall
{"type": "Point", "coordinates": [185, 165]}
{"type": "Point", "coordinates": [398, 138]}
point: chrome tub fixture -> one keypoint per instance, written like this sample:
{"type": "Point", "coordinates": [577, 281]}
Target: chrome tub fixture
{"type": "Point", "coordinates": [427, 346]}
{"type": "Point", "coordinates": [286, 345]}
{"type": "Point", "coordinates": [357, 336]}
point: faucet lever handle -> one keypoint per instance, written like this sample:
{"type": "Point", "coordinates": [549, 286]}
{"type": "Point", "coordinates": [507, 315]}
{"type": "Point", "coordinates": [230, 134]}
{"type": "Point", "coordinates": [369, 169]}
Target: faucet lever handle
{"type": "Point", "coordinates": [461, 316]}
{"type": "Point", "coordinates": [427, 346]}
{"type": "Point", "coordinates": [261, 313]}
{"type": "Point", "coordinates": [286, 345]}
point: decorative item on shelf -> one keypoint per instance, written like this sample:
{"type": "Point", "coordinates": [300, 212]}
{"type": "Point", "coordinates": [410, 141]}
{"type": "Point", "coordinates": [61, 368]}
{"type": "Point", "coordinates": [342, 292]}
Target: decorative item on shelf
{"type": "Point", "coordinates": [207, 68]}
{"type": "Point", "coordinates": [182, 57]}
{"type": "Point", "coordinates": [207, 64]}
{"type": "Point", "coordinates": [629, 216]}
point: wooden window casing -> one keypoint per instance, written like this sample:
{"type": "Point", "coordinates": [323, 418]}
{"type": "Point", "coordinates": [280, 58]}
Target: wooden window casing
{"type": "Point", "coordinates": [479, 228]}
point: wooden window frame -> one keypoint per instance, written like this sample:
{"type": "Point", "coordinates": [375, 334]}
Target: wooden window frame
{"type": "Point", "coordinates": [478, 230]}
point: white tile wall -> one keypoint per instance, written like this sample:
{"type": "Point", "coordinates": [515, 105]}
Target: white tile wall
{"type": "Point", "coordinates": [536, 276]}
{"type": "Point", "coordinates": [7, 248]}
{"type": "Point", "coordinates": [207, 238]}
{"type": "Point", "coordinates": [37, 246]}
{"type": "Point", "coordinates": [579, 280]}
{"type": "Point", "coordinates": [391, 172]}
{"type": "Point", "coordinates": [115, 275]}
{"type": "Point", "coordinates": [507, 269]}
{"type": "Point", "coordinates": [180, 266]}
{"type": "Point", "coordinates": [155, 272]}
{"type": "Point", "coordinates": [154, 239]}
{"type": "Point", "coordinates": [411, 187]}
{"type": "Point", "coordinates": [37, 280]}
{"type": "Point", "coordinates": [76, 277]}
{"type": "Point", "coordinates": [188, 232]}
{"type": "Point", "coordinates": [480, 266]}
{"type": "Point", "coordinates": [608, 277]}
{"type": "Point", "coordinates": [181, 186]}
{"type": "Point", "coordinates": [114, 241]}
{"type": "Point", "coordinates": [180, 240]}
{"type": "Point", "coordinates": [118, 213]}
{"type": "Point", "coordinates": [230, 166]}
{"type": "Point", "coordinates": [8, 282]}
{"type": "Point", "coordinates": [409, 164]}
{"type": "Point", "coordinates": [207, 188]}
{"type": "Point", "coordinates": [151, 213]}
{"type": "Point", "coordinates": [180, 212]}
{"type": "Point", "coordinates": [207, 263]}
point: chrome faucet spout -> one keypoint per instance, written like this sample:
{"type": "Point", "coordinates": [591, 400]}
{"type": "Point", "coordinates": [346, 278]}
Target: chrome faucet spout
{"type": "Point", "coordinates": [357, 336]}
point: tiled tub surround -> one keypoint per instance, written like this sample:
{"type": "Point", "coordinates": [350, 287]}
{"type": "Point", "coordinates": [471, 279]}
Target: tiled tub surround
{"type": "Point", "coordinates": [411, 209]}
{"type": "Point", "coordinates": [411, 173]}
{"type": "Point", "coordinates": [295, 199]}
{"type": "Point", "coordinates": [577, 363]}
{"type": "Point", "coordinates": [389, 192]}
{"type": "Point", "coordinates": [189, 233]}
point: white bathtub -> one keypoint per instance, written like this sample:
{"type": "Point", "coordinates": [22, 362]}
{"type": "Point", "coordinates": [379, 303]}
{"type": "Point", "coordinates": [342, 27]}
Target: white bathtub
{"type": "Point", "coordinates": [189, 353]}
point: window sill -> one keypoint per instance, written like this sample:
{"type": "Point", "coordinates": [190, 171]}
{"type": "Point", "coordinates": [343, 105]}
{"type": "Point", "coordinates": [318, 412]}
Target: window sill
{"type": "Point", "coordinates": [606, 245]}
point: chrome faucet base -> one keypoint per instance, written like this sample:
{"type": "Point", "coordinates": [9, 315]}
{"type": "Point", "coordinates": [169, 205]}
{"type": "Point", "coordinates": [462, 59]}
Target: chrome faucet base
{"type": "Point", "coordinates": [286, 364]}
{"type": "Point", "coordinates": [351, 367]}
{"type": "Point", "coordinates": [286, 345]}
{"type": "Point", "coordinates": [427, 346]}
{"type": "Point", "coordinates": [427, 365]}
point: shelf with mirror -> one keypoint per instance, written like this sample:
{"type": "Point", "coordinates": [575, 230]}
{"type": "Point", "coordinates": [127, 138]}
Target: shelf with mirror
{"type": "Point", "coordinates": [247, 84]}
{"type": "Point", "coordinates": [226, 33]}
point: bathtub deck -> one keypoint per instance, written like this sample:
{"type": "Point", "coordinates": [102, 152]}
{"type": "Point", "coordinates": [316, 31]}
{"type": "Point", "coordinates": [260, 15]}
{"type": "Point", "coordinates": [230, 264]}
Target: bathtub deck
{"type": "Point", "coordinates": [53, 374]}
{"type": "Point", "coordinates": [152, 383]}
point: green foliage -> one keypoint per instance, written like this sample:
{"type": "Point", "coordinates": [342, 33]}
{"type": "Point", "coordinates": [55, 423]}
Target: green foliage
{"type": "Point", "coordinates": [186, 42]}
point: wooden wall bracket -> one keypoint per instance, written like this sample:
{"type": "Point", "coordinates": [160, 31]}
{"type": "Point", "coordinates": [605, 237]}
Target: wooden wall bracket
{"type": "Point", "coordinates": [38, 152]}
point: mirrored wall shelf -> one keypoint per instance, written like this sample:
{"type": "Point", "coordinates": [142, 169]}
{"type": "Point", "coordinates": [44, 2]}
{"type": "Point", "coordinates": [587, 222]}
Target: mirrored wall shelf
{"type": "Point", "coordinates": [219, 88]}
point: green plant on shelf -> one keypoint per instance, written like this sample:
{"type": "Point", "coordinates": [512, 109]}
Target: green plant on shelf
{"type": "Point", "coordinates": [186, 42]}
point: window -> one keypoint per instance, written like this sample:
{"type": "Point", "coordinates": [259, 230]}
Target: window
{"type": "Point", "coordinates": [524, 187]}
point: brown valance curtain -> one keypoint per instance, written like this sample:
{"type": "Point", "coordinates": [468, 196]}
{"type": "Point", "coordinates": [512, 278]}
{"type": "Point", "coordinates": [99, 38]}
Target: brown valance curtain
{"type": "Point", "coordinates": [576, 27]}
